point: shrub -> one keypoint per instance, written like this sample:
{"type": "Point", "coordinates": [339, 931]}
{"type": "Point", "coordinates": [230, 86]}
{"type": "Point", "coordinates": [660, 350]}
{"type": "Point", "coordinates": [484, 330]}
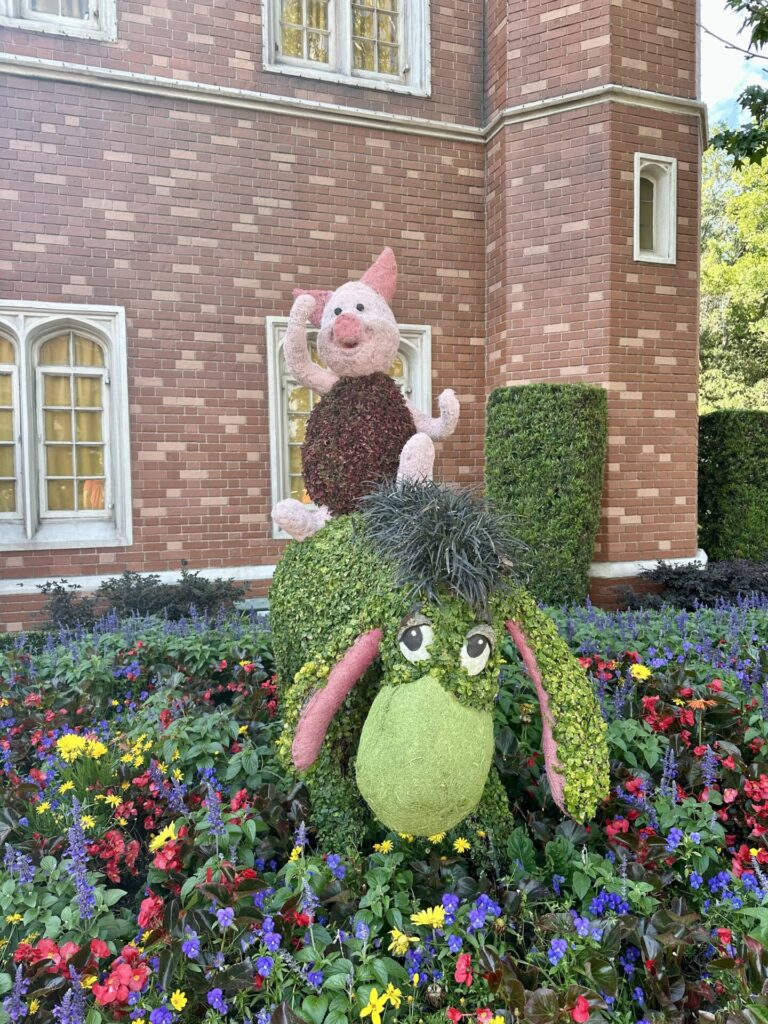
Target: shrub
{"type": "Point", "coordinates": [65, 607]}
{"type": "Point", "coordinates": [688, 586]}
{"type": "Point", "coordinates": [733, 484]}
{"type": "Point", "coordinates": [545, 453]}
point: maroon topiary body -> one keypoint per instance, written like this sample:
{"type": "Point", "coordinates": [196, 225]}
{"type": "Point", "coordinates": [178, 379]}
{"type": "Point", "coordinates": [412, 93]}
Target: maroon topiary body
{"type": "Point", "coordinates": [353, 441]}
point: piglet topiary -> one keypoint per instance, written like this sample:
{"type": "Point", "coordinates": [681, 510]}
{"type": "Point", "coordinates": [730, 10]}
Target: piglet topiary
{"type": "Point", "coordinates": [363, 431]}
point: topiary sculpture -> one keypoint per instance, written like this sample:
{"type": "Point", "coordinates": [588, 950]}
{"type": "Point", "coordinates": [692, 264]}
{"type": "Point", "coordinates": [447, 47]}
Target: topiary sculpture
{"type": "Point", "coordinates": [363, 431]}
{"type": "Point", "coordinates": [388, 628]}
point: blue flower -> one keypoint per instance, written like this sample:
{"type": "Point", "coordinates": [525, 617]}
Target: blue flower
{"type": "Point", "coordinates": [264, 966]}
{"type": "Point", "coordinates": [216, 1000]}
{"type": "Point", "coordinates": [272, 941]}
{"type": "Point", "coordinates": [451, 903]}
{"type": "Point", "coordinates": [557, 881]}
{"type": "Point", "coordinates": [191, 946]}
{"type": "Point", "coordinates": [362, 931]}
{"type": "Point", "coordinates": [695, 880]}
{"type": "Point", "coordinates": [455, 943]}
{"type": "Point", "coordinates": [225, 917]}
{"type": "Point", "coordinates": [161, 1015]}
{"type": "Point", "coordinates": [557, 950]}
{"type": "Point", "coordinates": [333, 860]}
{"type": "Point", "coordinates": [315, 978]}
{"type": "Point", "coordinates": [675, 837]}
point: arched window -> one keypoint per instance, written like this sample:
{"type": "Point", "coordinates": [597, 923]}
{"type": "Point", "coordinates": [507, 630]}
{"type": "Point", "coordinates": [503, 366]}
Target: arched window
{"type": "Point", "coordinates": [64, 441]}
{"type": "Point", "coordinates": [655, 229]}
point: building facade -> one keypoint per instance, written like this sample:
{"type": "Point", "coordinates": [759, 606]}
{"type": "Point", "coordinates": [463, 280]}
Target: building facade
{"type": "Point", "coordinates": [169, 173]}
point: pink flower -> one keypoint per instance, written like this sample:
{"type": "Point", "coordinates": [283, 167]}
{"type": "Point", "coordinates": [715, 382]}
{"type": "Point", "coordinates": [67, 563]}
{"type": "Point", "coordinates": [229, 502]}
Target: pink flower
{"type": "Point", "coordinates": [580, 1012]}
{"type": "Point", "coordinates": [463, 972]}
{"type": "Point", "coordinates": [729, 795]}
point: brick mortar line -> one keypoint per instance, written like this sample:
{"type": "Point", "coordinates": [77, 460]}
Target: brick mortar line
{"type": "Point", "coordinates": [197, 92]}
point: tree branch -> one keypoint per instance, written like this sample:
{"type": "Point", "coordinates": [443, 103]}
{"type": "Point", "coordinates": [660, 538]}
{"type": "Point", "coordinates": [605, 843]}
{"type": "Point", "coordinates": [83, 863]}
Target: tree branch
{"type": "Point", "coordinates": [751, 55]}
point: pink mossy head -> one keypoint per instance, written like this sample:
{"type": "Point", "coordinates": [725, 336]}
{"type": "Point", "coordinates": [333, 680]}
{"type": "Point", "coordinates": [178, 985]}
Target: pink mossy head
{"type": "Point", "coordinates": [358, 331]}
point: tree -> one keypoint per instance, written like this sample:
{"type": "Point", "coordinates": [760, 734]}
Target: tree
{"type": "Point", "coordinates": [734, 283]}
{"type": "Point", "coordinates": [749, 143]}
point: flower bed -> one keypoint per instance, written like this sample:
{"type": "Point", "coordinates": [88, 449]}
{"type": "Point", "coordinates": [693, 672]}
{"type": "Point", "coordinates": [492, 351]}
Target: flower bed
{"type": "Point", "coordinates": [159, 866]}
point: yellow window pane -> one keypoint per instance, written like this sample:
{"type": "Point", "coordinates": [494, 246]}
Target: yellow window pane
{"type": "Point", "coordinates": [7, 351]}
{"type": "Point", "coordinates": [297, 428]}
{"type": "Point", "coordinates": [291, 12]}
{"type": "Point", "coordinates": [299, 399]}
{"type": "Point", "coordinates": [7, 496]}
{"type": "Point", "coordinates": [293, 42]}
{"type": "Point", "coordinates": [317, 47]}
{"type": "Point", "coordinates": [294, 459]}
{"type": "Point", "coordinates": [6, 425]}
{"type": "Point", "coordinates": [6, 460]}
{"type": "Point", "coordinates": [90, 460]}
{"type": "Point", "coordinates": [363, 22]}
{"type": "Point", "coordinates": [87, 391]}
{"type": "Point", "coordinates": [56, 390]}
{"type": "Point", "coordinates": [87, 352]}
{"type": "Point", "coordinates": [55, 352]}
{"type": "Point", "coordinates": [90, 495]}
{"type": "Point", "coordinates": [317, 13]}
{"type": "Point", "coordinates": [88, 426]}
{"type": "Point", "coordinates": [58, 426]}
{"type": "Point", "coordinates": [389, 60]}
{"type": "Point", "coordinates": [387, 26]}
{"type": "Point", "coordinates": [297, 488]}
{"type": "Point", "coordinates": [364, 55]}
{"type": "Point", "coordinates": [397, 369]}
{"type": "Point", "coordinates": [6, 397]}
{"type": "Point", "coordinates": [61, 495]}
{"type": "Point", "coordinates": [58, 460]}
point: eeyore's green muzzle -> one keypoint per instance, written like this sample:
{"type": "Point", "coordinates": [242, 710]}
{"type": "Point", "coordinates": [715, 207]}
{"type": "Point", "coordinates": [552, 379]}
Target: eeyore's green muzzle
{"type": "Point", "coordinates": [423, 758]}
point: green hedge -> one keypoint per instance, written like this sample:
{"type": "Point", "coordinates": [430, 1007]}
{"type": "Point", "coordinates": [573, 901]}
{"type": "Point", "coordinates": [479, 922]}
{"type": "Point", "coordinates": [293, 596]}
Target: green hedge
{"type": "Point", "coordinates": [544, 459]}
{"type": "Point", "coordinates": [733, 484]}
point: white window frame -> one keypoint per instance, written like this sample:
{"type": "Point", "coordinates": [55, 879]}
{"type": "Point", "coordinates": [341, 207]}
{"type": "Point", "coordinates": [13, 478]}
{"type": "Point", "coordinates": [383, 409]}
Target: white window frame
{"type": "Point", "coordinates": [415, 58]}
{"type": "Point", "coordinates": [662, 171]}
{"type": "Point", "coordinates": [101, 23]}
{"type": "Point", "coordinates": [415, 344]}
{"type": "Point", "coordinates": [32, 528]}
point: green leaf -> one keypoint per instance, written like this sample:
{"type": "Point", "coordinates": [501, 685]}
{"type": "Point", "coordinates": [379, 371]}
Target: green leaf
{"type": "Point", "coordinates": [581, 884]}
{"type": "Point", "coordinates": [314, 1008]}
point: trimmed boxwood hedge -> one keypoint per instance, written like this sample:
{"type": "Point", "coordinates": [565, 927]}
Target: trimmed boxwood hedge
{"type": "Point", "coordinates": [544, 460]}
{"type": "Point", "coordinates": [733, 484]}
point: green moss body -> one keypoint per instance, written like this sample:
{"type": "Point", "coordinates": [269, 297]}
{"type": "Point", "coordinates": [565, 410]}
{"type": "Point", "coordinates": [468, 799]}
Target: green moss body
{"type": "Point", "coordinates": [410, 730]}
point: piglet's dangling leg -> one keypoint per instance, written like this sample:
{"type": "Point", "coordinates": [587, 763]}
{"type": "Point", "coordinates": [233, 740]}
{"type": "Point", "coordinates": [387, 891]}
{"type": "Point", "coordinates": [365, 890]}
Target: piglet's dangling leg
{"type": "Point", "coordinates": [298, 520]}
{"type": "Point", "coordinates": [417, 459]}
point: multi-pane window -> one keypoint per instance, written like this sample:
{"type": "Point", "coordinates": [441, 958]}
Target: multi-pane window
{"type": "Point", "coordinates": [290, 404]}
{"type": "Point", "coordinates": [64, 457]}
{"type": "Point", "coordinates": [655, 228]}
{"type": "Point", "coordinates": [379, 43]}
{"type": "Point", "coordinates": [89, 18]}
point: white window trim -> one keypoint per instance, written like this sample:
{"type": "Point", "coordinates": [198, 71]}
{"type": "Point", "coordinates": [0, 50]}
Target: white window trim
{"type": "Point", "coordinates": [101, 25]}
{"type": "Point", "coordinates": [664, 171]}
{"type": "Point", "coordinates": [415, 340]}
{"type": "Point", "coordinates": [415, 50]}
{"type": "Point", "coordinates": [27, 324]}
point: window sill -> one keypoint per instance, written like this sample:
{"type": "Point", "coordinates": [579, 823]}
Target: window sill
{"type": "Point", "coordinates": [381, 84]}
{"type": "Point", "coordinates": [650, 258]}
{"type": "Point", "coordinates": [51, 536]}
{"type": "Point", "coordinates": [59, 29]}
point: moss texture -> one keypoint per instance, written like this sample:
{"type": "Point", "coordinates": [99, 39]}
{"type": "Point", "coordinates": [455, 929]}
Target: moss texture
{"type": "Point", "coordinates": [544, 458]}
{"type": "Point", "coordinates": [354, 438]}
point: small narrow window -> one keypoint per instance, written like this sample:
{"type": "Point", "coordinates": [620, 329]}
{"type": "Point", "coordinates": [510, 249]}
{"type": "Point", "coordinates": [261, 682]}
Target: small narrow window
{"type": "Point", "coordinates": [655, 234]}
{"type": "Point", "coordinates": [9, 430]}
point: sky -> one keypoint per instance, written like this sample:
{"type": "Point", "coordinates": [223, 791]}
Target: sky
{"type": "Point", "coordinates": [725, 73]}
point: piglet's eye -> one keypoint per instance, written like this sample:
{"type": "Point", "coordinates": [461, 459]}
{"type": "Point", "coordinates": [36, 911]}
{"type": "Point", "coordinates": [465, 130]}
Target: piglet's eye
{"type": "Point", "coordinates": [360, 307]}
{"type": "Point", "coordinates": [337, 310]}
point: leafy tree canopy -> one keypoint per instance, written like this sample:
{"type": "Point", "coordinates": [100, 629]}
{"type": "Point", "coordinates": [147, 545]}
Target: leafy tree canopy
{"type": "Point", "coordinates": [749, 143]}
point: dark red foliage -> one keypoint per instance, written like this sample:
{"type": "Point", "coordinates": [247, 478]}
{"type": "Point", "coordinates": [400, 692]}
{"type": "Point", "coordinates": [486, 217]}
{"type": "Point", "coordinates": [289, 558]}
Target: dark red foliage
{"type": "Point", "coordinates": [353, 441]}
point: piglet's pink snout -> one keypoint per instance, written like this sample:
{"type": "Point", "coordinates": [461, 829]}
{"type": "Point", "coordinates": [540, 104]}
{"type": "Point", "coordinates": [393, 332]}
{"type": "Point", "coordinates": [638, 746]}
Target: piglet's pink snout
{"type": "Point", "coordinates": [347, 329]}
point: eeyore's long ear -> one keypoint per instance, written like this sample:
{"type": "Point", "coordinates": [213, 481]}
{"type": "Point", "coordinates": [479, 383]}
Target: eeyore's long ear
{"type": "Point", "coordinates": [319, 712]}
{"type": "Point", "coordinates": [556, 780]}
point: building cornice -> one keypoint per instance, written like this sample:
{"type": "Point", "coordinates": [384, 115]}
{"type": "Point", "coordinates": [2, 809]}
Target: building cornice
{"type": "Point", "coordinates": [179, 90]}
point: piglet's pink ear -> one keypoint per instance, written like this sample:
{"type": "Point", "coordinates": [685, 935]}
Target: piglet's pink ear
{"type": "Point", "coordinates": [382, 275]}
{"type": "Point", "coordinates": [319, 712]}
{"type": "Point", "coordinates": [320, 298]}
{"type": "Point", "coordinates": [556, 780]}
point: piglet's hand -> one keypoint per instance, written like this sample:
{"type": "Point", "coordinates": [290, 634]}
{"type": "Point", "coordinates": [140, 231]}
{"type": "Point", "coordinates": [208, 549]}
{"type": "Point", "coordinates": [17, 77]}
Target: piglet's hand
{"type": "Point", "coordinates": [302, 308]}
{"type": "Point", "coordinates": [296, 350]}
{"type": "Point", "coordinates": [449, 411]}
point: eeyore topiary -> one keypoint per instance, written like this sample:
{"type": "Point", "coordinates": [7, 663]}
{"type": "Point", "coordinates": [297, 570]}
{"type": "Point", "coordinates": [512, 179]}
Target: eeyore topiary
{"type": "Point", "coordinates": [388, 627]}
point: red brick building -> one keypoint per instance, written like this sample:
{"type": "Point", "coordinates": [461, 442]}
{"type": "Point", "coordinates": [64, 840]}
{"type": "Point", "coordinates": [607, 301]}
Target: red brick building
{"type": "Point", "coordinates": [170, 172]}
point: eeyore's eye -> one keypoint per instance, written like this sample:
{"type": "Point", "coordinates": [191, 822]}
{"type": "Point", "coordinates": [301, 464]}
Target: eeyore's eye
{"type": "Point", "coordinates": [359, 307]}
{"type": "Point", "coordinates": [337, 310]}
{"type": "Point", "coordinates": [477, 649]}
{"type": "Point", "coordinates": [415, 637]}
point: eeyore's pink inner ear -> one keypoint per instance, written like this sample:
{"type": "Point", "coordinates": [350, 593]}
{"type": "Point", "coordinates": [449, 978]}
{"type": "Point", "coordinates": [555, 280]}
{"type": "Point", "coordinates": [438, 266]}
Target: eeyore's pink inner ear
{"type": "Point", "coordinates": [320, 297]}
{"type": "Point", "coordinates": [319, 712]}
{"type": "Point", "coordinates": [382, 275]}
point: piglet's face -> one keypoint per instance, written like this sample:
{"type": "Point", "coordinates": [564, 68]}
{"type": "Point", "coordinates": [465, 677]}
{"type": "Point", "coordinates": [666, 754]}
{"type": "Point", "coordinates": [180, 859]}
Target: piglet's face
{"type": "Point", "coordinates": [358, 332]}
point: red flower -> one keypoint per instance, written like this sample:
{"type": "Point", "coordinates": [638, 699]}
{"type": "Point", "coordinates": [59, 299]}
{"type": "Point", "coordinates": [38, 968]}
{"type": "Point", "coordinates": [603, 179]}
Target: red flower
{"type": "Point", "coordinates": [728, 762]}
{"type": "Point", "coordinates": [686, 692]}
{"type": "Point", "coordinates": [729, 795]}
{"type": "Point", "coordinates": [580, 1012]}
{"type": "Point", "coordinates": [453, 1014]}
{"type": "Point", "coordinates": [151, 912]}
{"type": "Point", "coordinates": [716, 686]}
{"type": "Point", "coordinates": [99, 948]}
{"type": "Point", "coordinates": [615, 827]}
{"type": "Point", "coordinates": [635, 785]}
{"type": "Point", "coordinates": [463, 973]}
{"type": "Point", "coordinates": [725, 935]}
{"type": "Point", "coordinates": [484, 1016]}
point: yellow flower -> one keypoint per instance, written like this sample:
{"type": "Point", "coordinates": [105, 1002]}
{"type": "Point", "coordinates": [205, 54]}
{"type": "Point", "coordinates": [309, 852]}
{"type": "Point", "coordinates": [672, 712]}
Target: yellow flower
{"type": "Point", "coordinates": [640, 672]}
{"type": "Point", "coordinates": [178, 1000]}
{"type": "Point", "coordinates": [115, 703]}
{"type": "Point", "coordinates": [70, 746]}
{"type": "Point", "coordinates": [386, 847]}
{"type": "Point", "coordinates": [95, 749]}
{"type": "Point", "coordinates": [162, 767]}
{"type": "Point", "coordinates": [113, 800]}
{"type": "Point", "coordinates": [394, 995]}
{"type": "Point", "coordinates": [31, 939]}
{"type": "Point", "coordinates": [66, 786]}
{"type": "Point", "coordinates": [400, 942]}
{"type": "Point", "coordinates": [177, 773]}
{"type": "Point", "coordinates": [438, 837]}
{"type": "Point", "coordinates": [376, 1004]}
{"type": "Point", "coordinates": [176, 755]}
{"type": "Point", "coordinates": [415, 980]}
{"type": "Point", "coordinates": [295, 853]}
{"type": "Point", "coordinates": [88, 982]}
{"type": "Point", "coordinates": [88, 821]}
{"type": "Point", "coordinates": [121, 820]}
{"type": "Point", "coordinates": [243, 730]}
{"type": "Point", "coordinates": [13, 918]}
{"type": "Point", "coordinates": [432, 917]}
{"type": "Point", "coordinates": [754, 851]}
{"type": "Point", "coordinates": [34, 1005]}
{"type": "Point", "coordinates": [461, 845]}
{"type": "Point", "coordinates": [125, 785]}
{"type": "Point", "coordinates": [494, 1020]}
{"type": "Point", "coordinates": [43, 807]}
{"type": "Point", "coordinates": [166, 836]}
{"type": "Point", "coordinates": [481, 833]}
{"type": "Point", "coordinates": [406, 836]}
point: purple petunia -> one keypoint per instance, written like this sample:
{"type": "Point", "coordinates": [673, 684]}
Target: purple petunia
{"type": "Point", "coordinates": [225, 916]}
{"type": "Point", "coordinates": [216, 1000]}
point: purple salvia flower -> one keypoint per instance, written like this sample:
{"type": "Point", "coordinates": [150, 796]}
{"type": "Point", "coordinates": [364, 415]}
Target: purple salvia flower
{"type": "Point", "coordinates": [78, 854]}
{"type": "Point", "coordinates": [14, 1004]}
{"type": "Point", "coordinates": [72, 1008]}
